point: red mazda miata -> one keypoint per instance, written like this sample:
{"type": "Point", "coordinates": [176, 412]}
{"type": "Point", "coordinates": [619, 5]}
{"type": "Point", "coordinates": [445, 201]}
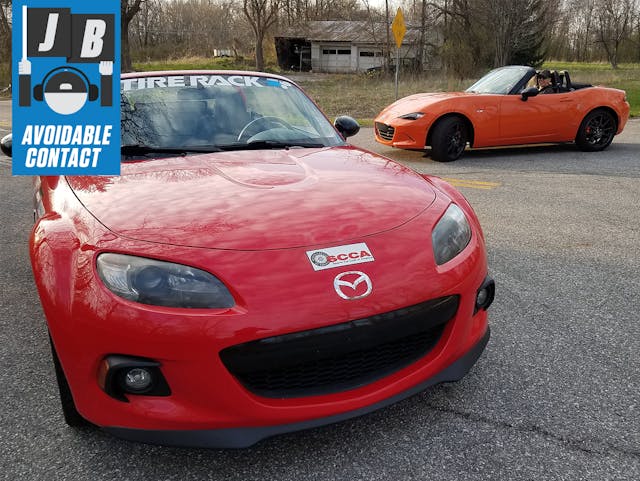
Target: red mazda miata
{"type": "Point", "coordinates": [250, 273]}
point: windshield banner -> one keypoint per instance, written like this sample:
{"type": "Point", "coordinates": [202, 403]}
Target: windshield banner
{"type": "Point", "coordinates": [66, 96]}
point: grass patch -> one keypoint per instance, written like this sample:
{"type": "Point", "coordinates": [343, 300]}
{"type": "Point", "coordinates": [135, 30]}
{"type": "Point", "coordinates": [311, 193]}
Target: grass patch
{"type": "Point", "coordinates": [632, 87]}
{"type": "Point", "coordinates": [363, 97]}
{"type": "Point", "coordinates": [199, 63]}
{"type": "Point", "coordinates": [592, 67]}
{"type": "Point", "coordinates": [626, 77]}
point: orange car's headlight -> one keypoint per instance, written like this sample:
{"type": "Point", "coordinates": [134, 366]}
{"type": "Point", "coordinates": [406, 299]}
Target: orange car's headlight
{"type": "Point", "coordinates": [412, 116]}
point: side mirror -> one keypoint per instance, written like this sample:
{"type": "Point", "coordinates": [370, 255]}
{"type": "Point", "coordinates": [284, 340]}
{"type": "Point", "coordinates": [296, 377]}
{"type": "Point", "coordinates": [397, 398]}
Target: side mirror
{"type": "Point", "coordinates": [529, 92]}
{"type": "Point", "coordinates": [5, 145]}
{"type": "Point", "coordinates": [347, 126]}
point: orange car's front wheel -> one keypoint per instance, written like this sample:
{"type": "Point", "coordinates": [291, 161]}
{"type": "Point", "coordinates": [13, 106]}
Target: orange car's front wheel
{"type": "Point", "coordinates": [449, 139]}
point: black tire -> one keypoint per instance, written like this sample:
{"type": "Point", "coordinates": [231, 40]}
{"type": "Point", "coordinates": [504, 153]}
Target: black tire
{"type": "Point", "coordinates": [596, 131]}
{"type": "Point", "coordinates": [449, 139]}
{"type": "Point", "coordinates": [71, 415]}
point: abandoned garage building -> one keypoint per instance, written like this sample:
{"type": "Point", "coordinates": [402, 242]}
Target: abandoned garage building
{"type": "Point", "coordinates": [340, 46]}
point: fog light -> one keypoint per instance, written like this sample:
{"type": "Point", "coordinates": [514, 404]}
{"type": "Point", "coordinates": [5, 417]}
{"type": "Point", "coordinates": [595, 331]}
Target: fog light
{"type": "Point", "coordinates": [485, 295]}
{"type": "Point", "coordinates": [482, 297]}
{"type": "Point", "coordinates": [138, 380]}
{"type": "Point", "coordinates": [119, 375]}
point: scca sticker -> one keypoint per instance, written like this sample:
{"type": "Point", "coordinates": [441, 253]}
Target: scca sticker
{"type": "Point", "coordinates": [339, 256]}
{"type": "Point", "coordinates": [66, 111]}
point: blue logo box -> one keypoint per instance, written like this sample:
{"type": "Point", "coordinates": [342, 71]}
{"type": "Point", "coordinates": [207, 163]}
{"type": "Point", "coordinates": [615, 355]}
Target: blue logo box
{"type": "Point", "coordinates": [66, 95]}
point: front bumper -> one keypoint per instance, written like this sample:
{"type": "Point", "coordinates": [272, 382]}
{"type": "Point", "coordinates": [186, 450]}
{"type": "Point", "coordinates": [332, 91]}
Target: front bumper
{"type": "Point", "coordinates": [402, 135]}
{"type": "Point", "coordinates": [246, 436]}
{"type": "Point", "coordinates": [276, 295]}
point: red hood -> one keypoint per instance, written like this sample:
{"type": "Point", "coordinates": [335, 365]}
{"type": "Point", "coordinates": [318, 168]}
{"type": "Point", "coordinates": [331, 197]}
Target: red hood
{"type": "Point", "coordinates": [255, 200]}
{"type": "Point", "coordinates": [417, 103]}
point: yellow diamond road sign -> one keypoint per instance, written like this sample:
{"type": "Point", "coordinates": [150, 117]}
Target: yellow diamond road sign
{"type": "Point", "coordinates": [398, 27]}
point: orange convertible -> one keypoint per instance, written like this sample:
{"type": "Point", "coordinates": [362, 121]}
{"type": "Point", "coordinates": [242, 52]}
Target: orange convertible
{"type": "Point", "coordinates": [505, 108]}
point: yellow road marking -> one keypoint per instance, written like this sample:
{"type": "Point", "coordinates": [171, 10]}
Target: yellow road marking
{"type": "Point", "coordinates": [472, 184]}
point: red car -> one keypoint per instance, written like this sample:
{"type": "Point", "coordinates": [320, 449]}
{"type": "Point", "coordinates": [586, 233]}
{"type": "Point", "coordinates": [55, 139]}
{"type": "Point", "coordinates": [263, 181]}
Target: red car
{"type": "Point", "coordinates": [504, 108]}
{"type": "Point", "coordinates": [250, 273]}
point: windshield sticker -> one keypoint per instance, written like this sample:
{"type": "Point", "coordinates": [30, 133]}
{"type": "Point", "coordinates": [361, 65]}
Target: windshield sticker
{"type": "Point", "coordinates": [278, 83]}
{"type": "Point", "coordinates": [67, 73]}
{"type": "Point", "coordinates": [339, 256]}
{"type": "Point", "coordinates": [194, 81]}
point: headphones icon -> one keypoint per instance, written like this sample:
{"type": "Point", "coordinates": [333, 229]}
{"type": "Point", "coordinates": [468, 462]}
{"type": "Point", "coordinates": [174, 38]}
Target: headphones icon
{"type": "Point", "coordinates": [38, 90]}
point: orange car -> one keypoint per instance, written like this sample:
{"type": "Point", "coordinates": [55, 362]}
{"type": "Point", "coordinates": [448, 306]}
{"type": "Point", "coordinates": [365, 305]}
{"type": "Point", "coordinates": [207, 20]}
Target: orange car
{"type": "Point", "coordinates": [504, 108]}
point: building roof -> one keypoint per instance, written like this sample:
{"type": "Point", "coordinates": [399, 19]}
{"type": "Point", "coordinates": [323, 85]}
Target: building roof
{"type": "Point", "coordinates": [345, 31]}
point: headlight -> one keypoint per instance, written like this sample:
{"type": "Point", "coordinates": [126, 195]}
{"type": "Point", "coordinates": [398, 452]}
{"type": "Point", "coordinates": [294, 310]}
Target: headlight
{"type": "Point", "coordinates": [412, 116]}
{"type": "Point", "coordinates": [450, 235]}
{"type": "Point", "coordinates": [162, 283]}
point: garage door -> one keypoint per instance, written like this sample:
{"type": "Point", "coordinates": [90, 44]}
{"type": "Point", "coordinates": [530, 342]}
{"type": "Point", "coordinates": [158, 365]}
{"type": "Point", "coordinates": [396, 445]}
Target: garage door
{"type": "Point", "coordinates": [335, 59]}
{"type": "Point", "coordinates": [369, 59]}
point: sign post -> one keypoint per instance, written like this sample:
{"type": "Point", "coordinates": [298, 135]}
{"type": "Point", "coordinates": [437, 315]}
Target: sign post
{"type": "Point", "coordinates": [399, 29]}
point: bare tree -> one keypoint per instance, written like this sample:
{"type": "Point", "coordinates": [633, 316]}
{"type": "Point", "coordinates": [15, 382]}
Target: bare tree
{"type": "Point", "coordinates": [387, 50]}
{"type": "Point", "coordinates": [176, 28]}
{"type": "Point", "coordinates": [464, 44]}
{"type": "Point", "coordinates": [262, 15]}
{"type": "Point", "coordinates": [128, 10]}
{"type": "Point", "coordinates": [5, 43]}
{"type": "Point", "coordinates": [5, 27]}
{"type": "Point", "coordinates": [637, 36]}
{"type": "Point", "coordinates": [373, 18]}
{"type": "Point", "coordinates": [141, 27]}
{"type": "Point", "coordinates": [294, 11]}
{"type": "Point", "coordinates": [614, 23]}
{"type": "Point", "coordinates": [422, 26]}
{"type": "Point", "coordinates": [482, 33]}
{"type": "Point", "coordinates": [581, 28]}
{"type": "Point", "coordinates": [422, 41]}
{"type": "Point", "coordinates": [467, 35]}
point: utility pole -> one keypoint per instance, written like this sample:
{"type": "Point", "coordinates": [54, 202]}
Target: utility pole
{"type": "Point", "coordinates": [388, 45]}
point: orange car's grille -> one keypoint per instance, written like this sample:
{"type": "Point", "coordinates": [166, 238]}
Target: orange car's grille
{"type": "Point", "coordinates": [385, 131]}
{"type": "Point", "coordinates": [339, 357]}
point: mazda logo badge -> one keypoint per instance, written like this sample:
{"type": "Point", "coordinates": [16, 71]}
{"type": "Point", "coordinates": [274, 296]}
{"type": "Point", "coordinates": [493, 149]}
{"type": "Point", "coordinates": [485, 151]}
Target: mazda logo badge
{"type": "Point", "coordinates": [348, 285]}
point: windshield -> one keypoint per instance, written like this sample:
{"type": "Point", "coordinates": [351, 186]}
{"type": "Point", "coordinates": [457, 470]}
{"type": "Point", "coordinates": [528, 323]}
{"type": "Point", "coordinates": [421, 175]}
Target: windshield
{"type": "Point", "coordinates": [219, 112]}
{"type": "Point", "coordinates": [501, 81]}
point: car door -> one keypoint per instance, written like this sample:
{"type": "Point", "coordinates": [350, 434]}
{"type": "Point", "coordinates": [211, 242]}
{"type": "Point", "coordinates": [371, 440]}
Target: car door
{"type": "Point", "coordinates": [543, 118]}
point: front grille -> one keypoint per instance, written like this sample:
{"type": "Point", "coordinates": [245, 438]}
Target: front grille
{"type": "Point", "coordinates": [339, 357]}
{"type": "Point", "coordinates": [385, 131]}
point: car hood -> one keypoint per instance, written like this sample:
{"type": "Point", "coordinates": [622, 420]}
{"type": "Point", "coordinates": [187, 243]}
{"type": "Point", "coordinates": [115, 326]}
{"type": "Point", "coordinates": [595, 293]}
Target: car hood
{"type": "Point", "coordinates": [417, 103]}
{"type": "Point", "coordinates": [256, 200]}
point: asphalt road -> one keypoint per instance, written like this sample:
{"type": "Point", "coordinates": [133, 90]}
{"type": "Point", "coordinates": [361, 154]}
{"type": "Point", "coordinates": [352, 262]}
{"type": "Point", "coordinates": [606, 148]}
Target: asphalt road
{"type": "Point", "coordinates": [556, 395]}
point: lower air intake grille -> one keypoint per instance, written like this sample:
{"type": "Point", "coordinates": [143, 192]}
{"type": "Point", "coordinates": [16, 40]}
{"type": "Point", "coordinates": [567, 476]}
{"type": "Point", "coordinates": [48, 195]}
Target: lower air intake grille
{"type": "Point", "coordinates": [385, 131]}
{"type": "Point", "coordinates": [339, 357]}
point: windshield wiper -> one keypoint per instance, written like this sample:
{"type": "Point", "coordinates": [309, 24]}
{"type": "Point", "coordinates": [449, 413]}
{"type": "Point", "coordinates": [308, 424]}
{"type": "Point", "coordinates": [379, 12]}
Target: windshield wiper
{"type": "Point", "coordinates": [270, 144]}
{"type": "Point", "coordinates": [140, 149]}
